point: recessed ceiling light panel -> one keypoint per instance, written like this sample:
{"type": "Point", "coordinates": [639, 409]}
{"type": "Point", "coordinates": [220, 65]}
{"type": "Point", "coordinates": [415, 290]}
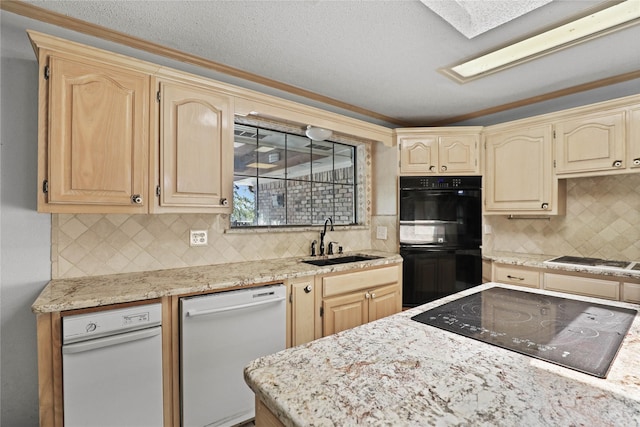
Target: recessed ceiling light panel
{"type": "Point", "coordinates": [605, 21]}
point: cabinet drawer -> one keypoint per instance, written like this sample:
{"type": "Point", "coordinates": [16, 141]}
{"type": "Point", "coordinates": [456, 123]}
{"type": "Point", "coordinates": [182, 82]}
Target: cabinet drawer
{"type": "Point", "coordinates": [359, 280]}
{"type": "Point", "coordinates": [582, 286]}
{"type": "Point", "coordinates": [516, 276]}
{"type": "Point", "coordinates": [631, 292]}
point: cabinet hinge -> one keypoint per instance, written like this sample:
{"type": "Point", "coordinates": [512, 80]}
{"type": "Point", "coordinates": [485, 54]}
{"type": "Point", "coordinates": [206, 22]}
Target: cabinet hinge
{"type": "Point", "coordinates": [158, 96]}
{"type": "Point", "coordinates": [157, 191]}
{"type": "Point", "coordinates": [45, 186]}
{"type": "Point", "coordinates": [46, 72]}
{"type": "Point", "coordinates": [291, 298]}
{"type": "Point", "coordinates": [554, 163]}
{"type": "Point", "coordinates": [554, 134]}
{"type": "Point", "coordinates": [321, 311]}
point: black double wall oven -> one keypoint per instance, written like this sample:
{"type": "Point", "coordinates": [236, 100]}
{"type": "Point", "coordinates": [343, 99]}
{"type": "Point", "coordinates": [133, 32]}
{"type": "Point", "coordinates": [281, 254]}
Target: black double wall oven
{"type": "Point", "coordinates": [440, 236]}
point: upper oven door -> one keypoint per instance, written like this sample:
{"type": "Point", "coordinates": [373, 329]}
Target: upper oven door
{"type": "Point", "coordinates": [444, 217]}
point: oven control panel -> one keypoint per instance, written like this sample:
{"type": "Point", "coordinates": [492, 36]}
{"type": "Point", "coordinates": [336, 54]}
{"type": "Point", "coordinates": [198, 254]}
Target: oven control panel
{"type": "Point", "coordinates": [427, 182]}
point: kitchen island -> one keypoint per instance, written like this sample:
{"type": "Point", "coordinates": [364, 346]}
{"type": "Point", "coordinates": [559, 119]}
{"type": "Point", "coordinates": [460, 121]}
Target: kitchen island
{"type": "Point", "coordinates": [396, 371]}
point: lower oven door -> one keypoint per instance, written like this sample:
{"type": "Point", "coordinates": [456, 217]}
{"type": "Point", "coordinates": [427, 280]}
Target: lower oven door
{"type": "Point", "coordinates": [431, 273]}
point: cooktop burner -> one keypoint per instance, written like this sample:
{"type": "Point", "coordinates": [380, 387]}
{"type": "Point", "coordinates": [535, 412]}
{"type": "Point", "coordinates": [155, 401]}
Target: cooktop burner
{"type": "Point", "coordinates": [591, 262]}
{"type": "Point", "coordinates": [575, 334]}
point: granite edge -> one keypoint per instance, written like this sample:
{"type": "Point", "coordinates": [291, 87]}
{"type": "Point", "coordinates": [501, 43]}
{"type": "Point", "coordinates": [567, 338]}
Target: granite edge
{"type": "Point", "coordinates": [538, 261]}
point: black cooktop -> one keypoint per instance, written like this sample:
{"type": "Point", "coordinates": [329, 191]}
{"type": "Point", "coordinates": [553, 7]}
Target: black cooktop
{"type": "Point", "coordinates": [575, 334]}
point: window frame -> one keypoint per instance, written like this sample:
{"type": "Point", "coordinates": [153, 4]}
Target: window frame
{"type": "Point", "coordinates": [360, 193]}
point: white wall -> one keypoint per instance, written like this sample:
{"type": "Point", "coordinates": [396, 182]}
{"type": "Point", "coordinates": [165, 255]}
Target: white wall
{"type": "Point", "coordinates": [25, 245]}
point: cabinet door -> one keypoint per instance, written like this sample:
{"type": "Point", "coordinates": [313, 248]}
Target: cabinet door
{"type": "Point", "coordinates": [458, 154]}
{"type": "Point", "coordinates": [419, 155]}
{"type": "Point", "coordinates": [634, 137]}
{"type": "Point", "coordinates": [303, 304]}
{"type": "Point", "coordinates": [98, 138]}
{"type": "Point", "coordinates": [344, 312]}
{"type": "Point", "coordinates": [631, 292]}
{"type": "Point", "coordinates": [196, 148]}
{"type": "Point", "coordinates": [594, 142]}
{"type": "Point", "coordinates": [384, 302]}
{"type": "Point", "coordinates": [519, 170]}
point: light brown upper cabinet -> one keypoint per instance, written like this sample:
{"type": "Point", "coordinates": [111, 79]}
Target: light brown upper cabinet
{"type": "Point", "coordinates": [193, 148]}
{"type": "Point", "coordinates": [441, 151]}
{"type": "Point", "coordinates": [591, 142]}
{"type": "Point", "coordinates": [519, 171]}
{"type": "Point", "coordinates": [634, 138]}
{"type": "Point", "coordinates": [93, 141]}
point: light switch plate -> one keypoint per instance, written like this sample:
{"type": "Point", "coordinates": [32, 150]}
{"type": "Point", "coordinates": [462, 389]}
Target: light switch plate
{"type": "Point", "coordinates": [198, 238]}
{"type": "Point", "coordinates": [381, 232]}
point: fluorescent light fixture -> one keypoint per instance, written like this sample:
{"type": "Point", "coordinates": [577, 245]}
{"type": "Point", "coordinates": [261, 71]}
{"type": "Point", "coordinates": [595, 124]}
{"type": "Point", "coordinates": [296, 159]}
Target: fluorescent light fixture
{"type": "Point", "coordinates": [261, 165]}
{"type": "Point", "coordinates": [264, 149]}
{"type": "Point", "coordinates": [585, 28]}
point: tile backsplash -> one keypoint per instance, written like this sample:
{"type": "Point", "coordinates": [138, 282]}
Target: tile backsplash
{"type": "Point", "coordinates": [90, 245]}
{"type": "Point", "coordinates": [602, 220]}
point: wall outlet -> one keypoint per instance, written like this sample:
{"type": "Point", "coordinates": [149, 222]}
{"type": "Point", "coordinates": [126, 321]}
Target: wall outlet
{"type": "Point", "coordinates": [381, 232]}
{"type": "Point", "coordinates": [198, 238]}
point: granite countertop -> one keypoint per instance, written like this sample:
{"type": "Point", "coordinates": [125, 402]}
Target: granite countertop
{"type": "Point", "coordinates": [538, 261]}
{"type": "Point", "coordinates": [396, 371]}
{"type": "Point", "coordinates": [95, 291]}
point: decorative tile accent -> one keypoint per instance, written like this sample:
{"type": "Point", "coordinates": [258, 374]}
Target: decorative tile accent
{"type": "Point", "coordinates": [602, 220]}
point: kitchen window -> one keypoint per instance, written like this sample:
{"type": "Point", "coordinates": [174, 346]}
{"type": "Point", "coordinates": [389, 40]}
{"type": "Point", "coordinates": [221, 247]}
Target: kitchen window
{"type": "Point", "coordinates": [284, 179]}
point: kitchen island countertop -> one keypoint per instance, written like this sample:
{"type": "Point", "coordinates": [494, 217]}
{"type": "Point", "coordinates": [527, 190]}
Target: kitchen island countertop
{"type": "Point", "coordinates": [396, 371]}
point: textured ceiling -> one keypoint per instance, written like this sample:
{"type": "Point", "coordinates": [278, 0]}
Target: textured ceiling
{"type": "Point", "coordinates": [382, 56]}
{"type": "Point", "coordinates": [473, 17]}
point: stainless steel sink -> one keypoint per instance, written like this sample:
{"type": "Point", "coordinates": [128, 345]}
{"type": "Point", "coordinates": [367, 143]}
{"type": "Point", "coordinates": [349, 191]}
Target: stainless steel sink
{"type": "Point", "coordinates": [339, 260]}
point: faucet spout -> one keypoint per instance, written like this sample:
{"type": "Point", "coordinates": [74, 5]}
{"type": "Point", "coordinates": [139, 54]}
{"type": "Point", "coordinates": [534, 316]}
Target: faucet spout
{"type": "Point", "coordinates": [323, 233]}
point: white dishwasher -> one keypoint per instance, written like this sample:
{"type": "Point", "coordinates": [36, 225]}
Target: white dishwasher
{"type": "Point", "coordinates": [220, 334]}
{"type": "Point", "coordinates": [112, 367]}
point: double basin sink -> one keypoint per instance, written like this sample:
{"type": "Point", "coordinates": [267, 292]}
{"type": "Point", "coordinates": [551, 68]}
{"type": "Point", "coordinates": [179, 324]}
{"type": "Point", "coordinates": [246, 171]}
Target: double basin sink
{"type": "Point", "coordinates": [339, 260]}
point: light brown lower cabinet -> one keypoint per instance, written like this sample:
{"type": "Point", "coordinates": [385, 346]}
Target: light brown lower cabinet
{"type": "Point", "coordinates": [352, 299]}
{"type": "Point", "coordinates": [264, 416]}
{"type": "Point", "coordinates": [631, 292]}
{"type": "Point", "coordinates": [591, 285]}
{"type": "Point", "coordinates": [301, 311]}
{"type": "Point", "coordinates": [516, 275]}
{"type": "Point", "coordinates": [581, 285]}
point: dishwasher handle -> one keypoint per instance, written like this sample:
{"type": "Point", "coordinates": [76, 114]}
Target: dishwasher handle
{"type": "Point", "coordinates": [194, 313]}
{"type": "Point", "coordinates": [110, 341]}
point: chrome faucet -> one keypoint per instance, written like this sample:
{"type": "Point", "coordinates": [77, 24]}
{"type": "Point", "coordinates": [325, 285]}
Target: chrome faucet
{"type": "Point", "coordinates": [323, 233]}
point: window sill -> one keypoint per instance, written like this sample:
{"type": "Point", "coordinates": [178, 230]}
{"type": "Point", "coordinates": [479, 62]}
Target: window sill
{"type": "Point", "coordinates": [314, 228]}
